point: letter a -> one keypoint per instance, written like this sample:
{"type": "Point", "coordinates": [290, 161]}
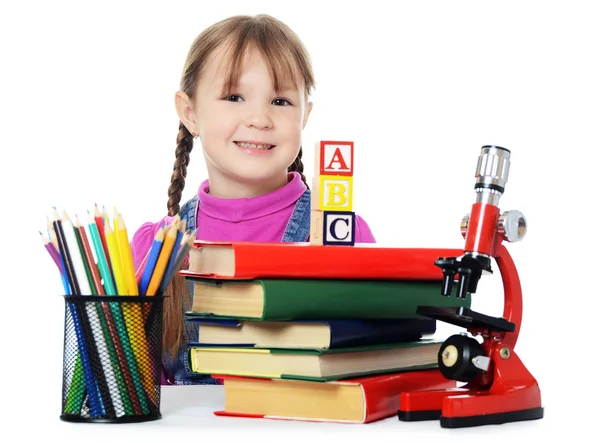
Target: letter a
{"type": "Point", "coordinates": [337, 158]}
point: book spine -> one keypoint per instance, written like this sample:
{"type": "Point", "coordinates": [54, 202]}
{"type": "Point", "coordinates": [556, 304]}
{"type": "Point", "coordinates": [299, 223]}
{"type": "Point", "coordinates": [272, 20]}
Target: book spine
{"type": "Point", "coordinates": [281, 260]}
{"type": "Point", "coordinates": [350, 333]}
{"type": "Point", "coordinates": [304, 299]}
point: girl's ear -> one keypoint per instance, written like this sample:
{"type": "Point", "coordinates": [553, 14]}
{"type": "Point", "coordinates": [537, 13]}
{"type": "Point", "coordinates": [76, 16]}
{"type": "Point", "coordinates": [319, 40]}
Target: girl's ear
{"type": "Point", "coordinates": [185, 111]}
{"type": "Point", "coordinates": [309, 106]}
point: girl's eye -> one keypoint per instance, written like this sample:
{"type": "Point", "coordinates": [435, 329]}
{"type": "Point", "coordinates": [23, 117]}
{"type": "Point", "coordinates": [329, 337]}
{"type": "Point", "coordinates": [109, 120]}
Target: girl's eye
{"type": "Point", "coordinates": [233, 98]}
{"type": "Point", "coordinates": [281, 102]}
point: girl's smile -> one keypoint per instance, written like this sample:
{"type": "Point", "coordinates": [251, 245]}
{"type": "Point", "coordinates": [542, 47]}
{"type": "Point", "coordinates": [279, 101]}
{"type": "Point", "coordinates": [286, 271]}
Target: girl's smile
{"type": "Point", "coordinates": [260, 146]}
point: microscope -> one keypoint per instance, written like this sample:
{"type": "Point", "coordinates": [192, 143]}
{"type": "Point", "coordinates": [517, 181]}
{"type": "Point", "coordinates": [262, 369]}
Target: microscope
{"type": "Point", "coordinates": [498, 387]}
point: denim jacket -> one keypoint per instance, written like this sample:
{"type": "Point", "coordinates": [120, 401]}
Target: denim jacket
{"type": "Point", "coordinates": [297, 230]}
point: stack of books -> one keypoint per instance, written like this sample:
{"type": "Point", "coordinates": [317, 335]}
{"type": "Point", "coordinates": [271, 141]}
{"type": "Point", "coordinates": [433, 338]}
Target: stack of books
{"type": "Point", "coordinates": [311, 332]}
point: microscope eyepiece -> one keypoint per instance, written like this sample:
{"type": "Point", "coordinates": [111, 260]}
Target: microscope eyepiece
{"type": "Point", "coordinates": [492, 169]}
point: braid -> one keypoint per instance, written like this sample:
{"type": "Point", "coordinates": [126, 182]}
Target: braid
{"type": "Point", "coordinates": [298, 166]}
{"type": "Point", "coordinates": [174, 332]}
{"type": "Point", "coordinates": [185, 143]}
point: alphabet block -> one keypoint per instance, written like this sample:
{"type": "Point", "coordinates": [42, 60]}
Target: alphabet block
{"type": "Point", "coordinates": [339, 228]}
{"type": "Point", "coordinates": [332, 221]}
{"type": "Point", "coordinates": [316, 227]}
{"type": "Point", "coordinates": [335, 193]}
{"type": "Point", "coordinates": [336, 158]}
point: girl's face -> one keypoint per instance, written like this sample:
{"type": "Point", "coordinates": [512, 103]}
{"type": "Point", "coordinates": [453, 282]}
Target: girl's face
{"type": "Point", "coordinates": [251, 135]}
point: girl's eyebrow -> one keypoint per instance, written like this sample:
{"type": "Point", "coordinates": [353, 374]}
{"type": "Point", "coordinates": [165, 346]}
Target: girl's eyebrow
{"type": "Point", "coordinates": [287, 89]}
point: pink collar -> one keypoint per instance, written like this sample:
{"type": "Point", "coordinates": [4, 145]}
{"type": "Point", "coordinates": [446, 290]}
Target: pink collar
{"type": "Point", "coordinates": [242, 209]}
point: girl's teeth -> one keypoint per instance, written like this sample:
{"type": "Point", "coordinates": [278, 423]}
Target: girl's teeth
{"type": "Point", "coordinates": [253, 146]}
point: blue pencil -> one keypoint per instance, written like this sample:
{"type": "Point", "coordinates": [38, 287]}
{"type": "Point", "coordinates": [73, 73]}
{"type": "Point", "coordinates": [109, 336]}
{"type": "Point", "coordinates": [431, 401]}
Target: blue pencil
{"type": "Point", "coordinates": [152, 258]}
{"type": "Point", "coordinates": [171, 264]}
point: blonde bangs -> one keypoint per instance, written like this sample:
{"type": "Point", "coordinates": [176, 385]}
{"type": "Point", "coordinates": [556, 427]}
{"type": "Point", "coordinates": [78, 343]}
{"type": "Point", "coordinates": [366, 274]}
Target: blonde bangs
{"type": "Point", "coordinates": [284, 55]}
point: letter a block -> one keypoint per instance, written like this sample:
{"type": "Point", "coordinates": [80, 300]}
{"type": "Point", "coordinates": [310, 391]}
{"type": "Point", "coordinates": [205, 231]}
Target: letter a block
{"type": "Point", "coordinates": [339, 228]}
{"type": "Point", "coordinates": [336, 158]}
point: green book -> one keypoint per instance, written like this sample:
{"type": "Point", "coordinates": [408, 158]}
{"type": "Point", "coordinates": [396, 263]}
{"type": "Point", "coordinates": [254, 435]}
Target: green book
{"type": "Point", "coordinates": [314, 364]}
{"type": "Point", "coordinates": [318, 299]}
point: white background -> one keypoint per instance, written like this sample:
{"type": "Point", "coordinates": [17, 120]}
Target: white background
{"type": "Point", "coordinates": [87, 116]}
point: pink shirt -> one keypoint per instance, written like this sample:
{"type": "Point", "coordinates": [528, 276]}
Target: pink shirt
{"type": "Point", "coordinates": [260, 219]}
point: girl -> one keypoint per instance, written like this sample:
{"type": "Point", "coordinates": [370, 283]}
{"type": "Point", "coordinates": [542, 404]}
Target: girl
{"type": "Point", "coordinates": [244, 95]}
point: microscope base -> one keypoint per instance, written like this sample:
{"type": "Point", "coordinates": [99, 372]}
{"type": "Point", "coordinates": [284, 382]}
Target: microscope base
{"type": "Point", "coordinates": [460, 407]}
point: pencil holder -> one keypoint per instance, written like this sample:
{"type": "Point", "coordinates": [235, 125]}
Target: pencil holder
{"type": "Point", "coordinates": [112, 358]}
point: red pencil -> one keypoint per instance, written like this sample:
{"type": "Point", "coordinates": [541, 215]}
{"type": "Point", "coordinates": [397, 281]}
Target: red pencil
{"type": "Point", "coordinates": [89, 257]}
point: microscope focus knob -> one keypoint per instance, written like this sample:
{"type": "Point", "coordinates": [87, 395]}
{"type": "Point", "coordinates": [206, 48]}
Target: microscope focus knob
{"type": "Point", "coordinates": [459, 356]}
{"type": "Point", "coordinates": [512, 225]}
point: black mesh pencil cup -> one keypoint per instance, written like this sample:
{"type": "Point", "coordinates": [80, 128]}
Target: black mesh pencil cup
{"type": "Point", "coordinates": [112, 358]}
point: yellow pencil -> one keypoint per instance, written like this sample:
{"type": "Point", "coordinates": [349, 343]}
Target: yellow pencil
{"type": "Point", "coordinates": [132, 312]}
{"type": "Point", "coordinates": [163, 258]}
{"type": "Point", "coordinates": [126, 257]}
{"type": "Point", "coordinates": [115, 258]}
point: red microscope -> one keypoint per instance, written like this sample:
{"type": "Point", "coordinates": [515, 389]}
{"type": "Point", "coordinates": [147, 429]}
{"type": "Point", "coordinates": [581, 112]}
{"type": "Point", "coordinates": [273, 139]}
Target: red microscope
{"type": "Point", "coordinates": [498, 387]}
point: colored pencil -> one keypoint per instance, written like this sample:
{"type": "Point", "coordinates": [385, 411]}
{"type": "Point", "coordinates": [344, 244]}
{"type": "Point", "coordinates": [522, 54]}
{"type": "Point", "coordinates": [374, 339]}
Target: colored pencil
{"type": "Point", "coordinates": [171, 264]}
{"type": "Point", "coordinates": [131, 371]}
{"type": "Point", "coordinates": [86, 263]}
{"type": "Point", "coordinates": [52, 251]}
{"type": "Point", "coordinates": [154, 253]}
{"type": "Point", "coordinates": [102, 337]}
{"type": "Point", "coordinates": [76, 391]}
{"type": "Point", "coordinates": [113, 373]}
{"type": "Point", "coordinates": [98, 344]}
{"type": "Point", "coordinates": [89, 257]}
{"type": "Point", "coordinates": [113, 342]}
{"type": "Point", "coordinates": [132, 311]}
{"type": "Point", "coordinates": [115, 258]}
{"type": "Point", "coordinates": [140, 270]}
{"type": "Point", "coordinates": [51, 233]}
{"type": "Point", "coordinates": [103, 265]}
{"type": "Point", "coordinates": [163, 258]}
{"type": "Point", "coordinates": [64, 252]}
{"type": "Point", "coordinates": [126, 256]}
{"type": "Point", "coordinates": [186, 244]}
{"type": "Point", "coordinates": [84, 338]}
{"type": "Point", "coordinates": [57, 260]}
{"type": "Point", "coordinates": [100, 225]}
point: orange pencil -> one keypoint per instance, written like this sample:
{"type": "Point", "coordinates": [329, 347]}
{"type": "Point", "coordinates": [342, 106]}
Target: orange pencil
{"type": "Point", "coordinates": [163, 258]}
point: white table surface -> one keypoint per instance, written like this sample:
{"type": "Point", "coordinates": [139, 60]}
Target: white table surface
{"type": "Point", "coordinates": [187, 414]}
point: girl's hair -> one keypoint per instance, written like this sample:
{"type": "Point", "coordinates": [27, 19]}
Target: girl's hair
{"type": "Point", "coordinates": [289, 63]}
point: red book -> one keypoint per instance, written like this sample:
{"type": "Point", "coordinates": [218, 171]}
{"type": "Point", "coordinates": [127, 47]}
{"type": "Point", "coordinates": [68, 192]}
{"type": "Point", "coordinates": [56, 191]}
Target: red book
{"type": "Point", "coordinates": [251, 260]}
{"type": "Point", "coordinates": [357, 400]}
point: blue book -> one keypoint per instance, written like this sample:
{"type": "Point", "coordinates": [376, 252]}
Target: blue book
{"type": "Point", "coordinates": [308, 334]}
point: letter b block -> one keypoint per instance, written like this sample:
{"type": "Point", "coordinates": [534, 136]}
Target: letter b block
{"type": "Point", "coordinates": [335, 193]}
{"type": "Point", "coordinates": [339, 228]}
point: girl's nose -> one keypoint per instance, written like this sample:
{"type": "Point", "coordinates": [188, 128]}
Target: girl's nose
{"type": "Point", "coordinates": [259, 117]}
